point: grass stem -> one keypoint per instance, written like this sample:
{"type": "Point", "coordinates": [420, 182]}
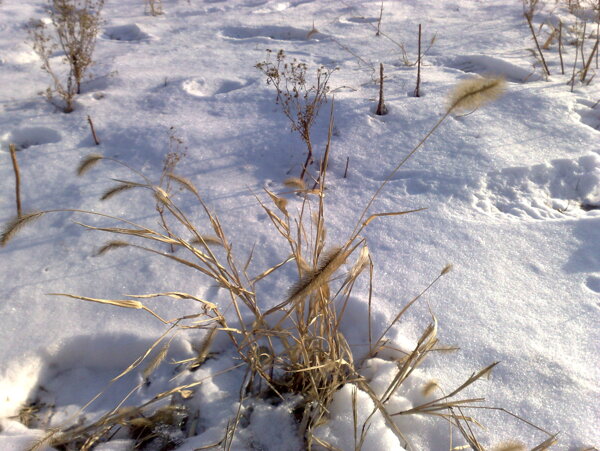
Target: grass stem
{"type": "Point", "coordinates": [15, 163]}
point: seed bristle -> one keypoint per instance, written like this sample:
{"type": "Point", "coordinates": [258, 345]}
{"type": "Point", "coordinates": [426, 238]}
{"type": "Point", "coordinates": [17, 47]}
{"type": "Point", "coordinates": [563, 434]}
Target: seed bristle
{"type": "Point", "coordinates": [88, 162]}
{"type": "Point", "coordinates": [11, 229]}
{"type": "Point", "coordinates": [110, 246]}
{"type": "Point", "coordinates": [294, 183]}
{"type": "Point", "coordinates": [184, 182]}
{"type": "Point", "coordinates": [117, 190]}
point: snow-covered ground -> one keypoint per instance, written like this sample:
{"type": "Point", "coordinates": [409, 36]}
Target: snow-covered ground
{"type": "Point", "coordinates": [511, 192]}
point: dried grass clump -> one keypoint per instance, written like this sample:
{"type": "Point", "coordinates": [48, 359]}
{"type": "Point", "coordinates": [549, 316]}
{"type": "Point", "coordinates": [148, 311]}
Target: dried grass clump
{"type": "Point", "coordinates": [295, 347]}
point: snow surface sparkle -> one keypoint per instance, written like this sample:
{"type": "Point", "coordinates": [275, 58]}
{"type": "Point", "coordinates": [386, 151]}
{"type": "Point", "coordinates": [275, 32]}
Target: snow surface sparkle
{"type": "Point", "coordinates": [510, 192]}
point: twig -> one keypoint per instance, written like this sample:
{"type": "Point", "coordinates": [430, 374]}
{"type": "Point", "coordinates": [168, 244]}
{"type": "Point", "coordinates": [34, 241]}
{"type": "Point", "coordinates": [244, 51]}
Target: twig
{"type": "Point", "coordinates": [379, 21]}
{"type": "Point", "coordinates": [589, 61]}
{"type": "Point", "coordinates": [381, 108]}
{"type": "Point", "coordinates": [597, 38]}
{"type": "Point", "coordinates": [537, 44]}
{"type": "Point", "coordinates": [562, 66]}
{"type": "Point", "coordinates": [418, 66]}
{"type": "Point", "coordinates": [575, 63]}
{"type": "Point", "coordinates": [96, 140]}
{"type": "Point", "coordinates": [346, 170]}
{"type": "Point", "coordinates": [583, 44]}
{"type": "Point", "coordinates": [13, 156]}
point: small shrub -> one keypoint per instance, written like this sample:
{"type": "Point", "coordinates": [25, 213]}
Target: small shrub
{"type": "Point", "coordinates": [76, 24]}
{"type": "Point", "coordinates": [299, 100]}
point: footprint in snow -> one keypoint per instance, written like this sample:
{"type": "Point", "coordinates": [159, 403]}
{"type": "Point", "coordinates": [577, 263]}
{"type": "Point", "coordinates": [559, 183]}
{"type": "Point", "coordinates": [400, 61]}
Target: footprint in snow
{"type": "Point", "coordinates": [593, 283]}
{"type": "Point", "coordinates": [272, 32]}
{"type": "Point", "coordinates": [488, 65]}
{"type": "Point", "coordinates": [126, 33]}
{"type": "Point", "coordinates": [205, 88]}
{"type": "Point", "coordinates": [26, 137]}
{"type": "Point", "coordinates": [554, 190]}
{"type": "Point", "coordinates": [589, 113]}
{"type": "Point", "coordinates": [359, 20]}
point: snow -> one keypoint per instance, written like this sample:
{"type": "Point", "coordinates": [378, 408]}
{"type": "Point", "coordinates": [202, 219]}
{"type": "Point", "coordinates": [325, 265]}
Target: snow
{"type": "Point", "coordinates": [511, 192]}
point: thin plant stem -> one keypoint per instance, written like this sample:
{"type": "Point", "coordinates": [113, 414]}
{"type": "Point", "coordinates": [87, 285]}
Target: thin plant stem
{"type": "Point", "coordinates": [537, 44]}
{"type": "Point", "coordinates": [379, 21]}
{"type": "Point", "coordinates": [562, 66]}
{"type": "Point", "coordinates": [575, 64]}
{"type": "Point", "coordinates": [589, 61]}
{"type": "Point", "coordinates": [13, 156]}
{"type": "Point", "coordinates": [417, 94]}
{"type": "Point", "coordinates": [94, 135]}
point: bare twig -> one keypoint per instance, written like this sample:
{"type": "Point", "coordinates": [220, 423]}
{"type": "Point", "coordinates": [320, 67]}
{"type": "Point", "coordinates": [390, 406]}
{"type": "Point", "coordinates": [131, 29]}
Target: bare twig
{"type": "Point", "coordinates": [537, 44]}
{"type": "Point", "coordinates": [417, 94]}
{"type": "Point", "coordinates": [379, 21]}
{"type": "Point", "coordinates": [13, 156]}
{"type": "Point", "coordinates": [346, 170]}
{"type": "Point", "coordinates": [589, 61]}
{"type": "Point", "coordinates": [96, 140]}
{"type": "Point", "coordinates": [575, 63]}
{"type": "Point", "coordinates": [562, 66]}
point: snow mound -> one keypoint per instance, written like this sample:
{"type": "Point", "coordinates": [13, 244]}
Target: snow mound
{"type": "Point", "coordinates": [488, 65]}
{"type": "Point", "coordinates": [126, 33]}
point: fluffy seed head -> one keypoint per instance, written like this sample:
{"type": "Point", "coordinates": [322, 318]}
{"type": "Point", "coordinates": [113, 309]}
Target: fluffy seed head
{"type": "Point", "coordinates": [472, 93]}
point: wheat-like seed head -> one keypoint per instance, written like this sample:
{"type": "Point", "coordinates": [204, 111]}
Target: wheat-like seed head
{"type": "Point", "coordinates": [429, 388]}
{"type": "Point", "coordinates": [206, 239]}
{"type": "Point", "coordinates": [88, 162]}
{"type": "Point", "coordinates": [184, 182]}
{"type": "Point", "coordinates": [446, 269]}
{"type": "Point", "coordinates": [110, 246]}
{"type": "Point", "coordinates": [295, 183]}
{"type": "Point", "coordinates": [11, 229]}
{"type": "Point", "coordinates": [510, 446]}
{"type": "Point", "coordinates": [472, 93]}
{"type": "Point", "coordinates": [117, 190]}
{"type": "Point", "coordinates": [329, 263]}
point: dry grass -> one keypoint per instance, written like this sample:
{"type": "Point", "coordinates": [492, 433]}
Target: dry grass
{"type": "Point", "coordinates": [295, 347]}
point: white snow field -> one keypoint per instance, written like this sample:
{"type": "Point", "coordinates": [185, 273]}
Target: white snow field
{"type": "Point", "coordinates": [511, 193]}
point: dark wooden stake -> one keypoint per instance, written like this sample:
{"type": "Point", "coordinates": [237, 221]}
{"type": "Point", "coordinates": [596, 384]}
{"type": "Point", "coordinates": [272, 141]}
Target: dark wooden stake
{"type": "Point", "coordinates": [13, 156]}
{"type": "Point", "coordinates": [381, 108]}
{"type": "Point", "coordinates": [417, 93]}
{"type": "Point", "coordinates": [96, 140]}
{"type": "Point", "coordinates": [537, 44]}
{"type": "Point", "coordinates": [346, 170]}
